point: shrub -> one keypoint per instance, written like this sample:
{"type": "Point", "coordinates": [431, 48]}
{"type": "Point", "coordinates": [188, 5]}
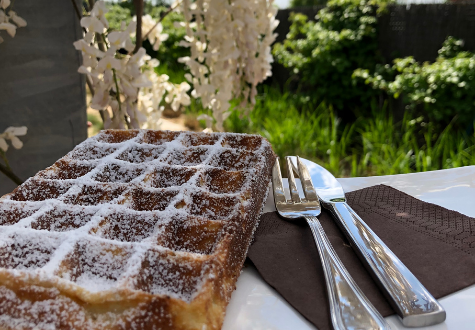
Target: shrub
{"type": "Point", "coordinates": [439, 90]}
{"type": "Point", "coordinates": [306, 3]}
{"type": "Point", "coordinates": [375, 145]}
{"type": "Point", "coordinates": [170, 50]}
{"type": "Point", "coordinates": [325, 53]}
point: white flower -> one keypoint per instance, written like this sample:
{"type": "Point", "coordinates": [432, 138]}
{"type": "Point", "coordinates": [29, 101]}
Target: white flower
{"type": "Point", "coordinates": [230, 50]}
{"type": "Point", "coordinates": [132, 27]}
{"type": "Point", "coordinates": [89, 37]}
{"type": "Point", "coordinates": [128, 89]}
{"type": "Point", "coordinates": [89, 61]}
{"type": "Point", "coordinates": [142, 81]}
{"type": "Point", "coordinates": [101, 98]}
{"type": "Point", "coordinates": [139, 57]}
{"type": "Point", "coordinates": [20, 22]}
{"type": "Point", "coordinates": [155, 36]}
{"type": "Point", "coordinates": [229, 55]}
{"type": "Point", "coordinates": [4, 4]}
{"type": "Point", "coordinates": [108, 63]}
{"type": "Point", "coordinates": [154, 62]}
{"type": "Point", "coordinates": [83, 46]}
{"type": "Point", "coordinates": [10, 28]}
{"type": "Point", "coordinates": [11, 134]}
{"type": "Point", "coordinates": [177, 95]}
{"type": "Point", "coordinates": [92, 24]}
{"type": "Point", "coordinates": [87, 70]}
{"type": "Point", "coordinates": [5, 20]}
{"type": "Point", "coordinates": [99, 10]}
{"type": "Point", "coordinates": [117, 38]}
{"type": "Point", "coordinates": [3, 17]}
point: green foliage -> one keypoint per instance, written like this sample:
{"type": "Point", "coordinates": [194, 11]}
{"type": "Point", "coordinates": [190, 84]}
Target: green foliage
{"type": "Point", "coordinates": [325, 53]}
{"type": "Point", "coordinates": [295, 125]}
{"type": "Point", "coordinates": [118, 14]}
{"type": "Point", "coordinates": [412, 146]}
{"type": "Point", "coordinates": [169, 50]}
{"type": "Point", "coordinates": [307, 3]}
{"type": "Point", "coordinates": [451, 47]}
{"type": "Point", "coordinates": [438, 90]}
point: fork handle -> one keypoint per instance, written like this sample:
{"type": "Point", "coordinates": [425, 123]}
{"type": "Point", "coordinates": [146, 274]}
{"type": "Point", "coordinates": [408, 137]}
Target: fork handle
{"type": "Point", "coordinates": [349, 307]}
{"type": "Point", "coordinates": [410, 299]}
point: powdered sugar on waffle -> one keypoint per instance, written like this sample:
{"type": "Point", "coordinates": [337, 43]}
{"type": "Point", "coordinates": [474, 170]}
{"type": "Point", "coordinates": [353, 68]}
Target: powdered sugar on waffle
{"type": "Point", "coordinates": [133, 210]}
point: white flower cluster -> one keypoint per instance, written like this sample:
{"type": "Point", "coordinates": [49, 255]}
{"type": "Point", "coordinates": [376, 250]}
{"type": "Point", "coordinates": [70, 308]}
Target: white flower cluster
{"type": "Point", "coordinates": [154, 30]}
{"type": "Point", "coordinates": [7, 15]}
{"type": "Point", "coordinates": [120, 79]}
{"type": "Point", "coordinates": [12, 133]}
{"type": "Point", "coordinates": [150, 97]}
{"type": "Point", "coordinates": [230, 50]}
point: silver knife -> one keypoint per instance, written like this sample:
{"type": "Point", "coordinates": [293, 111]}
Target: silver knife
{"type": "Point", "coordinates": [410, 299]}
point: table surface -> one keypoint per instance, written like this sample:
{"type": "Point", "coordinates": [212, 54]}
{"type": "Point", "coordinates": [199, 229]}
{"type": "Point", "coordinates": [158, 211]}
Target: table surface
{"type": "Point", "coordinates": [256, 305]}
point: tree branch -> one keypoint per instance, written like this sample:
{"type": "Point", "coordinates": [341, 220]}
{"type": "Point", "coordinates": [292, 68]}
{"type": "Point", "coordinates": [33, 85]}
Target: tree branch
{"type": "Point", "coordinates": [11, 6]}
{"type": "Point", "coordinates": [78, 13]}
{"type": "Point", "coordinates": [91, 4]}
{"type": "Point", "coordinates": [88, 79]}
{"type": "Point", "coordinates": [89, 84]}
{"type": "Point", "coordinates": [91, 89]}
{"type": "Point", "coordinates": [86, 7]}
{"type": "Point", "coordinates": [99, 38]}
{"type": "Point", "coordinates": [117, 92]}
{"type": "Point", "coordinates": [138, 32]}
{"type": "Point", "coordinates": [161, 19]}
{"type": "Point", "coordinates": [5, 170]}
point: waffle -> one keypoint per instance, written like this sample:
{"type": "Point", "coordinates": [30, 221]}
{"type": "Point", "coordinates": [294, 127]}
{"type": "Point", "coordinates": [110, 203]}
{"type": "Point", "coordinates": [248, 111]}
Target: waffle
{"type": "Point", "coordinates": [133, 229]}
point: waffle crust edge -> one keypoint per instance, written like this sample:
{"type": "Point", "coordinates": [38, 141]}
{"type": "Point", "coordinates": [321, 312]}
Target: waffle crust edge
{"type": "Point", "coordinates": [52, 297]}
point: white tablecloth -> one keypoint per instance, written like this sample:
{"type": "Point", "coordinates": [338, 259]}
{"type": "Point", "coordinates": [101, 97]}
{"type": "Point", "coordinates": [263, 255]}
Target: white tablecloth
{"type": "Point", "coordinates": [255, 305]}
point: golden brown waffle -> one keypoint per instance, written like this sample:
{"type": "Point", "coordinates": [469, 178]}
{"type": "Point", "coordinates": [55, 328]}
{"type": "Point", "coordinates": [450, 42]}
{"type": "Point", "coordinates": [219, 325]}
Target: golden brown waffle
{"type": "Point", "coordinates": [132, 230]}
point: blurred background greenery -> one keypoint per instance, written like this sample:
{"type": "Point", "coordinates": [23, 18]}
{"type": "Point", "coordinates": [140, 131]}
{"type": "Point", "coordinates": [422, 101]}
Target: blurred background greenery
{"type": "Point", "coordinates": [338, 106]}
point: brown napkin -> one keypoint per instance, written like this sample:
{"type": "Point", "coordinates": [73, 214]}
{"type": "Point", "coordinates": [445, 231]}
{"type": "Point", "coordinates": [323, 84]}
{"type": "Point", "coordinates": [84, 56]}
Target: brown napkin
{"type": "Point", "coordinates": [436, 244]}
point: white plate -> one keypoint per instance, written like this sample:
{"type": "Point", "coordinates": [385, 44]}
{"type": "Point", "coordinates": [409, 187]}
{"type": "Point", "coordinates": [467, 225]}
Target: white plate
{"type": "Point", "coordinates": [255, 305]}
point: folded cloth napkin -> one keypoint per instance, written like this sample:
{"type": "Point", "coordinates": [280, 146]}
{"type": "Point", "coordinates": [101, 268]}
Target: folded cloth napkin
{"type": "Point", "coordinates": [436, 244]}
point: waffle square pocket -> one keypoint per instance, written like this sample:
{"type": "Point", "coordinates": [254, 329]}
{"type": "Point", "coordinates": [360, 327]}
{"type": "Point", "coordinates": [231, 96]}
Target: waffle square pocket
{"type": "Point", "coordinates": [133, 229]}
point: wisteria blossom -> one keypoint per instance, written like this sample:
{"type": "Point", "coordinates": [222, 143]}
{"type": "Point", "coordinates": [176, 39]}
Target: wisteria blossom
{"type": "Point", "coordinates": [230, 50]}
{"type": "Point", "coordinates": [125, 84]}
{"type": "Point", "coordinates": [8, 17]}
{"type": "Point", "coordinates": [154, 30]}
{"type": "Point", "coordinates": [12, 133]}
{"type": "Point", "coordinates": [230, 55]}
{"type": "Point", "coordinates": [150, 97]}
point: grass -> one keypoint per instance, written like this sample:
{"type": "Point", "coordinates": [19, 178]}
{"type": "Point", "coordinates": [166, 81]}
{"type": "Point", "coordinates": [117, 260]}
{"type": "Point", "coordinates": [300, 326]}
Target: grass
{"type": "Point", "coordinates": [412, 146]}
{"type": "Point", "coordinates": [370, 146]}
{"type": "Point", "coordinates": [376, 145]}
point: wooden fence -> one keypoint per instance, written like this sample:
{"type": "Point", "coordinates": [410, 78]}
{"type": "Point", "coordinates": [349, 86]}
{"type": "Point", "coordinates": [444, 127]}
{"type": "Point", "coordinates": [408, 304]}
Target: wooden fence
{"type": "Point", "coordinates": [404, 30]}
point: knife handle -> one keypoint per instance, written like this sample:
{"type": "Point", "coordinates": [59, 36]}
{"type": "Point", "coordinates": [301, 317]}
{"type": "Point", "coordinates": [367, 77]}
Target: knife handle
{"type": "Point", "coordinates": [410, 299]}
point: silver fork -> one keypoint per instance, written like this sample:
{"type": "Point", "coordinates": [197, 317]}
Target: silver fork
{"type": "Point", "coordinates": [349, 307]}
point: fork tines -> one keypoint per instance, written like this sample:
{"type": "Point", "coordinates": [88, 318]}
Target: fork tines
{"type": "Point", "coordinates": [305, 180]}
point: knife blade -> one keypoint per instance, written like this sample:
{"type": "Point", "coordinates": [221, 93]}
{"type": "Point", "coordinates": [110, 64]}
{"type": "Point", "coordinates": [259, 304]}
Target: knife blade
{"type": "Point", "coordinates": [415, 306]}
